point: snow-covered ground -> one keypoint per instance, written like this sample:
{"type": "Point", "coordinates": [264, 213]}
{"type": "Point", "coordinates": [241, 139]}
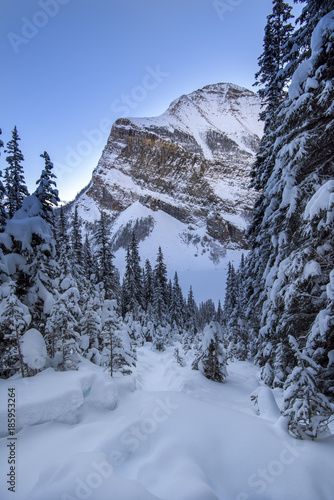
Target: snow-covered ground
{"type": "Point", "coordinates": [164, 433]}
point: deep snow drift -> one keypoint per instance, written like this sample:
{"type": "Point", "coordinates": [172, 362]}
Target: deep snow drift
{"type": "Point", "coordinates": [165, 432]}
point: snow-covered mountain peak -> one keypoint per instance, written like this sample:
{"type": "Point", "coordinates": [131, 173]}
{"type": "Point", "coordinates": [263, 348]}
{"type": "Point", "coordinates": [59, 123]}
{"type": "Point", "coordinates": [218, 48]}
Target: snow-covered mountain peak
{"type": "Point", "coordinates": [223, 108]}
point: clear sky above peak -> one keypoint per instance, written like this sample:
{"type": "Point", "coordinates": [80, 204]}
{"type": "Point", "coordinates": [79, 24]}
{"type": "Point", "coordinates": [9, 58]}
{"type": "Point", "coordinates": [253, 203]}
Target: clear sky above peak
{"type": "Point", "coordinates": [70, 68]}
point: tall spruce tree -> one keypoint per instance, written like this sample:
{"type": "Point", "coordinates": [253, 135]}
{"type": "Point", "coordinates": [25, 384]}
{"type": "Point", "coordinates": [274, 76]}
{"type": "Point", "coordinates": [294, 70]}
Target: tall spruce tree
{"type": "Point", "coordinates": [88, 260]}
{"type": "Point", "coordinates": [46, 190]}
{"type": "Point", "coordinates": [160, 301]}
{"type": "Point", "coordinates": [133, 285]}
{"type": "Point", "coordinates": [272, 81]}
{"type": "Point", "coordinates": [236, 333]}
{"type": "Point", "coordinates": [63, 247]}
{"type": "Point", "coordinates": [230, 292]}
{"type": "Point", "coordinates": [176, 304]}
{"type": "Point", "coordinates": [63, 326]}
{"type": "Point", "coordinates": [76, 244]}
{"type": "Point", "coordinates": [277, 33]}
{"type": "Point", "coordinates": [191, 321]}
{"type": "Point", "coordinates": [16, 188]}
{"type": "Point", "coordinates": [148, 281]}
{"type": "Point", "coordinates": [3, 214]}
{"type": "Point", "coordinates": [106, 271]}
{"type": "Point", "coordinates": [14, 320]}
{"type": "Point", "coordinates": [272, 84]}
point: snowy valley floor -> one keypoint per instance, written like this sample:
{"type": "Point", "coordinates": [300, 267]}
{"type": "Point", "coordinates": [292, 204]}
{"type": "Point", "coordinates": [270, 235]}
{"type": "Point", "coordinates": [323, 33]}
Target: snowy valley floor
{"type": "Point", "coordinates": [164, 433]}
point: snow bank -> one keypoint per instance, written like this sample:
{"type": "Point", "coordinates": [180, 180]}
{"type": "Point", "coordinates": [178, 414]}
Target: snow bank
{"type": "Point", "coordinates": [56, 396]}
{"type": "Point", "coordinates": [179, 437]}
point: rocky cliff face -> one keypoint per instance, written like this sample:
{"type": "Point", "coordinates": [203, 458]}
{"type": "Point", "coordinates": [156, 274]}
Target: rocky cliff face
{"type": "Point", "coordinates": [192, 162]}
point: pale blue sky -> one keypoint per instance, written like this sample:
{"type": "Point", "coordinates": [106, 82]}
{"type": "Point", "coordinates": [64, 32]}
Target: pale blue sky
{"type": "Point", "coordinates": [72, 67]}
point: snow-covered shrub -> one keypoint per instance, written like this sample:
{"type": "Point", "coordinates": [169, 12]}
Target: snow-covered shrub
{"type": "Point", "coordinates": [159, 340]}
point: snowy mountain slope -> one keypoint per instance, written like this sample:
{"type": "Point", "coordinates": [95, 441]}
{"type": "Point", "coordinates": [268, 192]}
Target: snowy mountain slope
{"type": "Point", "coordinates": [201, 262]}
{"type": "Point", "coordinates": [192, 164]}
{"type": "Point", "coordinates": [173, 435]}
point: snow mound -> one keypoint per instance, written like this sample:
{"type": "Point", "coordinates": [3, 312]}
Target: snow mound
{"type": "Point", "coordinates": [33, 349]}
{"type": "Point", "coordinates": [57, 396]}
{"type": "Point", "coordinates": [265, 403]}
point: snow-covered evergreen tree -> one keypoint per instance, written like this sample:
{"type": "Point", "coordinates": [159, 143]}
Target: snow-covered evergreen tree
{"type": "Point", "coordinates": [47, 191]}
{"type": "Point", "coordinates": [319, 215]}
{"type": "Point", "coordinates": [16, 188]}
{"type": "Point", "coordinates": [235, 330]}
{"type": "Point", "coordinates": [63, 327]}
{"type": "Point", "coordinates": [211, 357]}
{"type": "Point", "coordinates": [3, 214]}
{"type": "Point", "coordinates": [148, 285]}
{"type": "Point", "coordinates": [76, 245]}
{"type": "Point", "coordinates": [219, 313]}
{"type": "Point", "coordinates": [88, 261]}
{"type": "Point", "coordinates": [272, 81]}
{"type": "Point", "coordinates": [63, 247]}
{"type": "Point", "coordinates": [160, 338]}
{"type": "Point", "coordinates": [292, 263]}
{"type": "Point", "coordinates": [277, 33]}
{"type": "Point", "coordinates": [231, 292]}
{"type": "Point", "coordinates": [206, 313]}
{"type": "Point", "coordinates": [106, 271]}
{"type": "Point", "coordinates": [117, 352]}
{"type": "Point", "coordinates": [272, 84]}
{"type": "Point", "coordinates": [307, 410]}
{"type": "Point", "coordinates": [160, 290]}
{"type": "Point", "coordinates": [192, 311]}
{"type": "Point", "coordinates": [133, 285]}
{"type": "Point", "coordinates": [30, 247]}
{"type": "Point", "coordinates": [298, 47]}
{"type": "Point", "coordinates": [14, 321]}
{"type": "Point", "coordinates": [176, 311]}
{"type": "Point", "coordinates": [90, 324]}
